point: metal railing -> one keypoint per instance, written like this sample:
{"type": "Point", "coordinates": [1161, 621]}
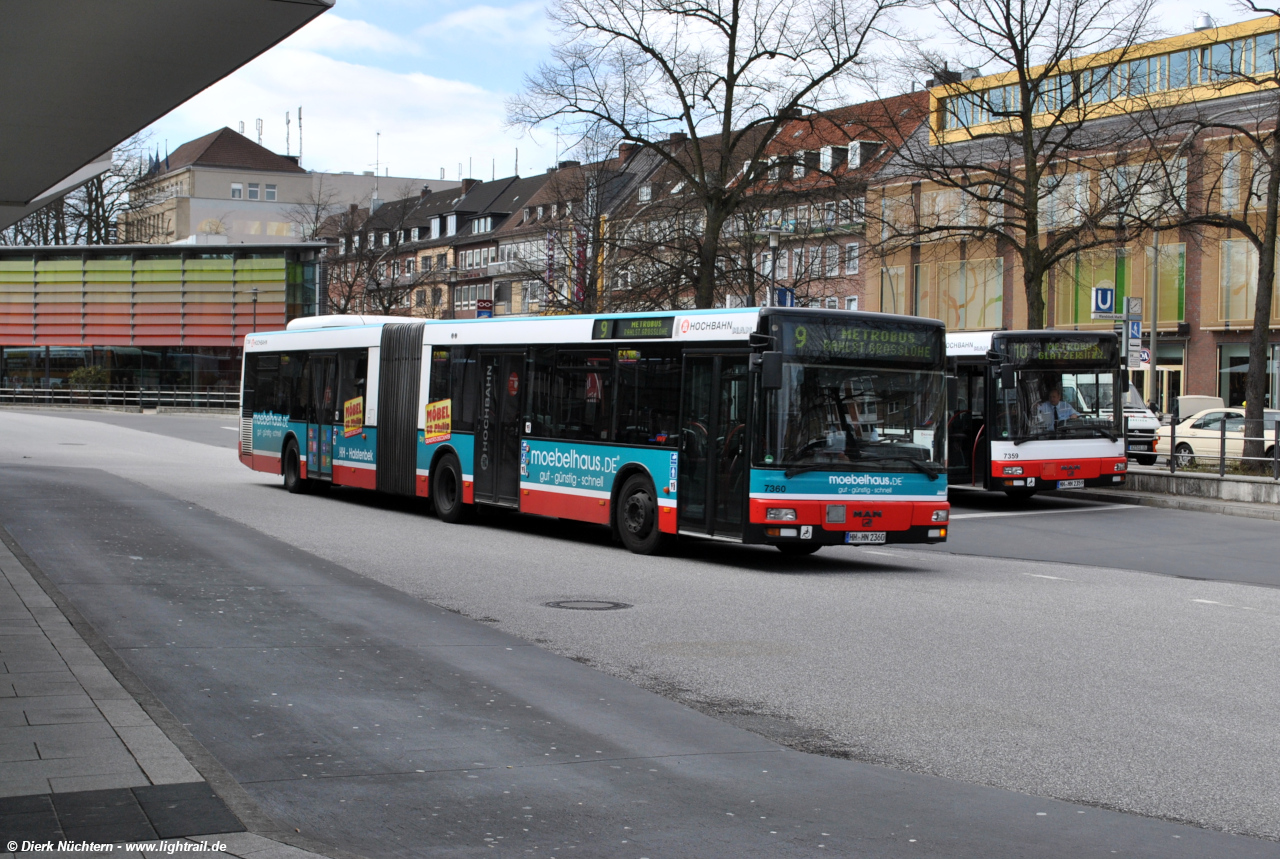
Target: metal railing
{"type": "Point", "coordinates": [1272, 455]}
{"type": "Point", "coordinates": [220, 397]}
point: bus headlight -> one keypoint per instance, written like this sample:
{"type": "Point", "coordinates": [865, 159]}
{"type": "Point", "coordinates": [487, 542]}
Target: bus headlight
{"type": "Point", "coordinates": [1013, 469]}
{"type": "Point", "coordinates": [780, 514]}
{"type": "Point", "coordinates": [1121, 466]}
{"type": "Point", "coordinates": [941, 515]}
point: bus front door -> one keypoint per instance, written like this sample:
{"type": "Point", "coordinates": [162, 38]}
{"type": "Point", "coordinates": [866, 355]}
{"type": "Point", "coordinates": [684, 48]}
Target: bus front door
{"type": "Point", "coordinates": [321, 429]}
{"type": "Point", "coordinates": [498, 428]}
{"type": "Point", "coordinates": [713, 445]}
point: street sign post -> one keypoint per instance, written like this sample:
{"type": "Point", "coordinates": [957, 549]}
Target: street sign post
{"type": "Point", "coordinates": [484, 308]}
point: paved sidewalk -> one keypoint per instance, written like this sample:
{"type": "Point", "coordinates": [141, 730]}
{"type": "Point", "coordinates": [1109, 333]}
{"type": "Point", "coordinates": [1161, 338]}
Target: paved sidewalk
{"type": "Point", "coordinates": [80, 759]}
{"type": "Point", "coordinates": [1174, 502]}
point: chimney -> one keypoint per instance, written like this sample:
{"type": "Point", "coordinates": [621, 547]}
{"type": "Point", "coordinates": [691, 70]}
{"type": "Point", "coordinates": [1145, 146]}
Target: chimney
{"type": "Point", "coordinates": [790, 113]}
{"type": "Point", "coordinates": [625, 150]}
{"type": "Point", "coordinates": [1203, 22]}
{"type": "Point", "coordinates": [677, 137]}
{"type": "Point", "coordinates": [426, 189]}
{"type": "Point", "coordinates": [942, 76]}
{"type": "Point", "coordinates": [468, 184]}
{"type": "Point", "coordinates": [563, 164]}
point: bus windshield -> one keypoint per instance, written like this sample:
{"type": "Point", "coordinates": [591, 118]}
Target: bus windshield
{"type": "Point", "coordinates": [1046, 404]}
{"type": "Point", "coordinates": [840, 417]}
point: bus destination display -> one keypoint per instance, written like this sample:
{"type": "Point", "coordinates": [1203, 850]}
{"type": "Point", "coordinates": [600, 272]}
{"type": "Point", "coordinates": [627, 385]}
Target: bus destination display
{"type": "Point", "coordinates": [1072, 352]}
{"type": "Point", "coordinates": [834, 340]}
{"type": "Point", "coordinates": [640, 328]}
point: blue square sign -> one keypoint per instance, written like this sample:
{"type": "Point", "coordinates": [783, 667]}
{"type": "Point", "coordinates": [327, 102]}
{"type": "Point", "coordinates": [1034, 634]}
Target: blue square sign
{"type": "Point", "coordinates": [1135, 329]}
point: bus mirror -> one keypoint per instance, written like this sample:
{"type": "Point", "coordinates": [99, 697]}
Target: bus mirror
{"type": "Point", "coordinates": [994, 356]}
{"type": "Point", "coordinates": [769, 366]}
{"type": "Point", "coordinates": [760, 341]}
{"type": "Point", "coordinates": [1007, 379]}
{"type": "Point", "coordinates": [953, 365]}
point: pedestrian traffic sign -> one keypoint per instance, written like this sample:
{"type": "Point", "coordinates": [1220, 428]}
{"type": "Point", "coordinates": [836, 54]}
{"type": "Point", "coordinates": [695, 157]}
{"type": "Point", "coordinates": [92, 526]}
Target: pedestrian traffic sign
{"type": "Point", "coordinates": [1104, 303]}
{"type": "Point", "coordinates": [1135, 329]}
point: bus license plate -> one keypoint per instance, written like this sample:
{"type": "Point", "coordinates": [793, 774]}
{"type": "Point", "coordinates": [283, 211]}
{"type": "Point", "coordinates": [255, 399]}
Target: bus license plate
{"type": "Point", "coordinates": [864, 536]}
{"type": "Point", "coordinates": [1071, 484]}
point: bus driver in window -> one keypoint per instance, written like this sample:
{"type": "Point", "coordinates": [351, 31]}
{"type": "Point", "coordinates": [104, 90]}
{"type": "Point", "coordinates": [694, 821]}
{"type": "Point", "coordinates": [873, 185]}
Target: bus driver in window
{"type": "Point", "coordinates": [1055, 410]}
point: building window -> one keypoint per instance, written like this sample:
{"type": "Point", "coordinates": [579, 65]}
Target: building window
{"type": "Point", "coordinates": [833, 303]}
{"type": "Point", "coordinates": [237, 191]}
{"type": "Point", "coordinates": [831, 261]}
{"type": "Point", "coordinates": [408, 266]}
{"type": "Point", "coordinates": [851, 260]}
{"type": "Point", "coordinates": [271, 193]}
{"type": "Point", "coordinates": [644, 196]}
{"type": "Point", "coordinates": [253, 190]}
{"type": "Point", "coordinates": [797, 169]}
{"type": "Point", "coordinates": [451, 225]}
{"type": "Point", "coordinates": [386, 240]}
{"type": "Point", "coordinates": [971, 293]}
{"type": "Point", "coordinates": [420, 298]}
{"type": "Point", "coordinates": [342, 246]}
{"type": "Point", "coordinates": [851, 302]}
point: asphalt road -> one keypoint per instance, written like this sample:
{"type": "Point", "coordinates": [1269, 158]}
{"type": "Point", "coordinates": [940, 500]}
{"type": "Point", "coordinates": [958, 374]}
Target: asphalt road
{"type": "Point", "coordinates": [1101, 685]}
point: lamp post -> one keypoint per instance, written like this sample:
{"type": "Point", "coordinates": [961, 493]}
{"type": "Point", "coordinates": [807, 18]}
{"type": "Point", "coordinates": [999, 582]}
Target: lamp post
{"type": "Point", "coordinates": [253, 294]}
{"type": "Point", "coordinates": [450, 300]}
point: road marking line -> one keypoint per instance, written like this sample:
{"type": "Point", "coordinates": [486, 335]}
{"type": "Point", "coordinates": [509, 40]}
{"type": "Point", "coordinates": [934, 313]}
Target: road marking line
{"type": "Point", "coordinates": [233, 429]}
{"type": "Point", "coordinates": [1055, 578]}
{"type": "Point", "coordinates": [1213, 602]}
{"type": "Point", "coordinates": [955, 516]}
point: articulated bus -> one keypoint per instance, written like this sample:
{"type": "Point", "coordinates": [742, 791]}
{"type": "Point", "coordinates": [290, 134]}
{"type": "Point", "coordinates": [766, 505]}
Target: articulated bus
{"type": "Point", "coordinates": [795, 428]}
{"type": "Point", "coordinates": [1035, 410]}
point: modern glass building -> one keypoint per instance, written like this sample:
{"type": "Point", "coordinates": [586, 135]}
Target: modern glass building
{"type": "Point", "coordinates": [163, 318]}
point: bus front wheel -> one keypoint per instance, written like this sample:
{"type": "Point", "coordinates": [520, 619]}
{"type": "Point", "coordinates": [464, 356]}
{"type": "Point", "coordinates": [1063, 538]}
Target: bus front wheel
{"type": "Point", "coordinates": [637, 517]}
{"type": "Point", "coordinates": [446, 490]}
{"type": "Point", "coordinates": [293, 479]}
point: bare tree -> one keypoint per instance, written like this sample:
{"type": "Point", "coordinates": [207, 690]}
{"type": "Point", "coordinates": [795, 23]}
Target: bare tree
{"type": "Point", "coordinates": [1024, 160]}
{"type": "Point", "coordinates": [371, 267]}
{"type": "Point", "coordinates": [91, 214]}
{"type": "Point", "coordinates": [1235, 142]}
{"type": "Point", "coordinates": [309, 214]}
{"type": "Point", "coordinates": [727, 75]}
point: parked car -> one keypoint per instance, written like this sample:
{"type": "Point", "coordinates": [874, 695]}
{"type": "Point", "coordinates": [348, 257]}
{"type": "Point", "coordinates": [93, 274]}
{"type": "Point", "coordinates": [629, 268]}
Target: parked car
{"type": "Point", "coordinates": [1140, 427]}
{"type": "Point", "coordinates": [1200, 436]}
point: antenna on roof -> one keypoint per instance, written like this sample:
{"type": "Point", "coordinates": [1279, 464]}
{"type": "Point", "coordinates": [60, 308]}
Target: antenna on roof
{"type": "Point", "coordinates": [288, 118]}
{"type": "Point", "coordinates": [299, 135]}
{"type": "Point", "coordinates": [517, 170]}
{"type": "Point", "coordinates": [441, 174]}
{"type": "Point", "coordinates": [242, 126]}
{"type": "Point", "coordinates": [259, 124]}
{"type": "Point", "coordinates": [377, 159]}
{"type": "Point", "coordinates": [493, 170]}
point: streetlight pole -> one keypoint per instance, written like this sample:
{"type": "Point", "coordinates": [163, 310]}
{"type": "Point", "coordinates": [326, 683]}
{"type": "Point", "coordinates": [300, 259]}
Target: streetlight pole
{"type": "Point", "coordinates": [253, 293]}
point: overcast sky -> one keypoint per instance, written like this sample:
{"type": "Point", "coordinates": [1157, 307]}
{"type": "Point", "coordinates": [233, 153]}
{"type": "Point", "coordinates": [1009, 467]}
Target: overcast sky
{"type": "Point", "coordinates": [431, 75]}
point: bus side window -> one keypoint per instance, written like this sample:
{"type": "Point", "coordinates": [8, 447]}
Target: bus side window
{"type": "Point", "coordinates": [541, 368]}
{"type": "Point", "coordinates": [355, 367]}
{"type": "Point", "coordinates": [439, 383]}
{"type": "Point", "coordinates": [300, 405]}
{"type": "Point", "coordinates": [977, 394]}
{"type": "Point", "coordinates": [583, 394]}
{"type": "Point", "coordinates": [465, 386]}
{"type": "Point", "coordinates": [250, 381]}
{"type": "Point", "coordinates": [264, 399]}
{"type": "Point", "coordinates": [649, 394]}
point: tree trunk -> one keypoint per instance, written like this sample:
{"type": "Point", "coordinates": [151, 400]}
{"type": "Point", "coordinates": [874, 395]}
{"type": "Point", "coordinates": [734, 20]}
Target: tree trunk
{"type": "Point", "coordinates": [1256, 380]}
{"type": "Point", "coordinates": [705, 296]}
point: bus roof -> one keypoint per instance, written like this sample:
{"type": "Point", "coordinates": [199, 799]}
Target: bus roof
{"type": "Point", "coordinates": [734, 324]}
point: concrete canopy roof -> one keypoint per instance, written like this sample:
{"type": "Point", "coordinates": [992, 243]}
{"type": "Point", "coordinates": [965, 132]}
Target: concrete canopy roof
{"type": "Point", "coordinates": [83, 75]}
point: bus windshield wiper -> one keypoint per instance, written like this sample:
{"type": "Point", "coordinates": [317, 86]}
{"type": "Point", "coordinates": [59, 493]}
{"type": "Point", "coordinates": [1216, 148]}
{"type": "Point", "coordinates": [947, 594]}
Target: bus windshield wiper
{"type": "Point", "coordinates": [918, 464]}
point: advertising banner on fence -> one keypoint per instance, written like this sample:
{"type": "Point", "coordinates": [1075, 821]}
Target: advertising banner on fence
{"type": "Point", "coordinates": [437, 424]}
{"type": "Point", "coordinates": [353, 417]}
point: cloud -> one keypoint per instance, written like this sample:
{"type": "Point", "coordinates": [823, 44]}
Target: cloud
{"type": "Point", "coordinates": [332, 33]}
{"type": "Point", "coordinates": [426, 122]}
{"type": "Point", "coordinates": [521, 24]}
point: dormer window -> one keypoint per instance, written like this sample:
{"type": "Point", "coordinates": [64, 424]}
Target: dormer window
{"type": "Point", "coordinates": [528, 212]}
{"type": "Point", "coordinates": [646, 193]}
{"type": "Point", "coordinates": [540, 211]}
{"type": "Point", "coordinates": [675, 189]}
{"type": "Point", "coordinates": [386, 240]}
{"type": "Point", "coordinates": [555, 210]}
{"type": "Point", "coordinates": [342, 246]}
{"type": "Point", "coordinates": [824, 160]}
{"type": "Point", "coordinates": [435, 228]}
{"type": "Point", "coordinates": [797, 169]}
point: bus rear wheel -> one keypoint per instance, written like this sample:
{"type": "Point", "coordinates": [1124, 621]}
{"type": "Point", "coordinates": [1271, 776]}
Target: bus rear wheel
{"type": "Point", "coordinates": [798, 550]}
{"type": "Point", "coordinates": [446, 490]}
{"type": "Point", "coordinates": [637, 517]}
{"type": "Point", "coordinates": [293, 479]}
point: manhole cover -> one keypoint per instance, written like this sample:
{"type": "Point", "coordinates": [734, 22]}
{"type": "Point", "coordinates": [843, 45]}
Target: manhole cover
{"type": "Point", "coordinates": [587, 605]}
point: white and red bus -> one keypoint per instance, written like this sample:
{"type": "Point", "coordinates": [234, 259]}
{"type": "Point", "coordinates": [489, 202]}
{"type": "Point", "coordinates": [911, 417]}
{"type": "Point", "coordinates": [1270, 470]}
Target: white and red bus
{"type": "Point", "coordinates": [1035, 410]}
{"type": "Point", "coordinates": [796, 428]}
